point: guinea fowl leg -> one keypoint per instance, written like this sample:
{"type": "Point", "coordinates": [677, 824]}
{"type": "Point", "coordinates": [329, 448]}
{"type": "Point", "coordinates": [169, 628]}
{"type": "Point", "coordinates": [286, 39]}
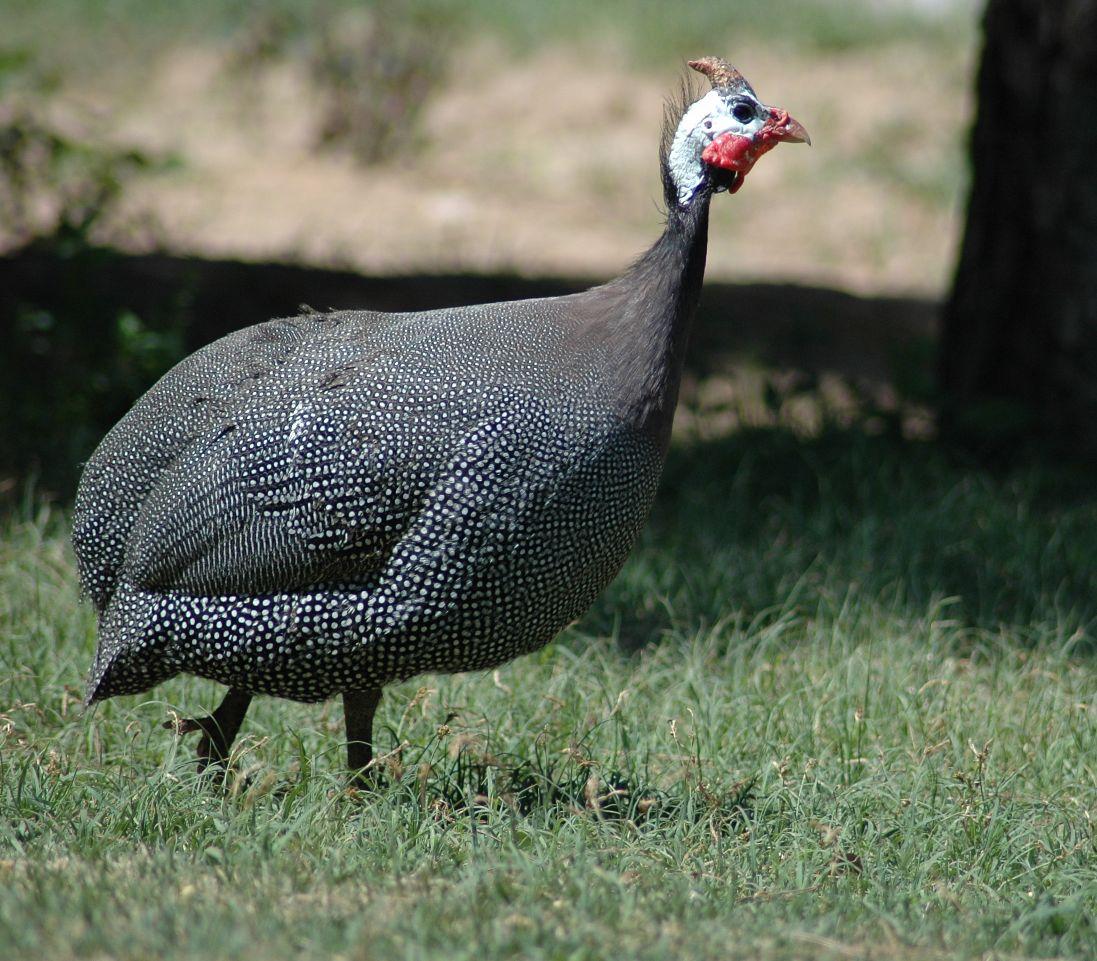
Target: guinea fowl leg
{"type": "Point", "coordinates": [358, 708]}
{"type": "Point", "coordinates": [218, 729]}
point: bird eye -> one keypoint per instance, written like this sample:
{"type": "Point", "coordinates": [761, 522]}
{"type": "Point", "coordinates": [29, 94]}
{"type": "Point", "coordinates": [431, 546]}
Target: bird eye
{"type": "Point", "coordinates": [708, 124]}
{"type": "Point", "coordinates": [743, 112]}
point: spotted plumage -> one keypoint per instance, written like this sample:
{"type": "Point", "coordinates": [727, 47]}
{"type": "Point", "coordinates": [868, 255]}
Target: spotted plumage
{"type": "Point", "coordinates": [331, 502]}
{"type": "Point", "coordinates": [370, 497]}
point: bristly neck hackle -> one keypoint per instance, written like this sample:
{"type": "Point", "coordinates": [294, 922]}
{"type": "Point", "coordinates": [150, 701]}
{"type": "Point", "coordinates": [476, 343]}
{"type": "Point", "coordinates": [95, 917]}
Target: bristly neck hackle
{"type": "Point", "coordinates": [674, 110]}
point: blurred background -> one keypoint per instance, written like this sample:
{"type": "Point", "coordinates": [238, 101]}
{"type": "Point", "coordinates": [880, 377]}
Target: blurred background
{"type": "Point", "coordinates": [170, 172]}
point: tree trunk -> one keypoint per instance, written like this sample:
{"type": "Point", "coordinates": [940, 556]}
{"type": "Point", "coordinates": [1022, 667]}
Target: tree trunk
{"type": "Point", "coordinates": [1019, 347]}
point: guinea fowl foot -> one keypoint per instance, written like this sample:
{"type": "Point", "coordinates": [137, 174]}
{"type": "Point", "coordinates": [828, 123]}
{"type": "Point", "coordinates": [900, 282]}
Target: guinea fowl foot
{"type": "Point", "coordinates": [218, 729]}
{"type": "Point", "coordinates": [212, 745]}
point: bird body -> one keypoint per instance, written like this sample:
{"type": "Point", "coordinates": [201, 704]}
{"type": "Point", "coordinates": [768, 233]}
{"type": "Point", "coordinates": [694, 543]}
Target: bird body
{"type": "Point", "coordinates": [348, 499]}
{"type": "Point", "coordinates": [328, 503]}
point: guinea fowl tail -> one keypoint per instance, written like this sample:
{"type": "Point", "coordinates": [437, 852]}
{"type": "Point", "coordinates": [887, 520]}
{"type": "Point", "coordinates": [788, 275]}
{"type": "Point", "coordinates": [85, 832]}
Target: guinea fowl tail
{"type": "Point", "coordinates": [131, 656]}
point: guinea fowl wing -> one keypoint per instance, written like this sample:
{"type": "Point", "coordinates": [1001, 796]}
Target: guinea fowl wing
{"type": "Point", "coordinates": [281, 500]}
{"type": "Point", "coordinates": [186, 404]}
{"type": "Point", "coordinates": [320, 467]}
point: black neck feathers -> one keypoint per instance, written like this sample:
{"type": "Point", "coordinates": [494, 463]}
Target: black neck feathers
{"type": "Point", "coordinates": [644, 317]}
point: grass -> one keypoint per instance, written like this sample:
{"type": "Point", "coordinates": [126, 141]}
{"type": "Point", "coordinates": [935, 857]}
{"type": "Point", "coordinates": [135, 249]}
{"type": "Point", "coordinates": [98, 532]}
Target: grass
{"type": "Point", "coordinates": [861, 723]}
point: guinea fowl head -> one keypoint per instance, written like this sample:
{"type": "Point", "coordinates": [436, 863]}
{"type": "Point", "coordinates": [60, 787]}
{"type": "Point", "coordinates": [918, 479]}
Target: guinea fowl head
{"type": "Point", "coordinates": [720, 136]}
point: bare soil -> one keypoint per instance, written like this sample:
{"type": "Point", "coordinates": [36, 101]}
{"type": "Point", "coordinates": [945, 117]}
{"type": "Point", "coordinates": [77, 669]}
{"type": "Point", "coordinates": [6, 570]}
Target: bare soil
{"type": "Point", "coordinates": [546, 166]}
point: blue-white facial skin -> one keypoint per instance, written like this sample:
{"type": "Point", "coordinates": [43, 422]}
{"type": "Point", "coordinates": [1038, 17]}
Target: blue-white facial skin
{"type": "Point", "coordinates": [712, 116]}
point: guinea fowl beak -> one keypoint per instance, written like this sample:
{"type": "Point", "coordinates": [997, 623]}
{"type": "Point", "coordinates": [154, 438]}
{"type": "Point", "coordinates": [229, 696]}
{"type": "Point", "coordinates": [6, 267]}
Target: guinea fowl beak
{"type": "Point", "coordinates": [783, 128]}
{"type": "Point", "coordinates": [739, 154]}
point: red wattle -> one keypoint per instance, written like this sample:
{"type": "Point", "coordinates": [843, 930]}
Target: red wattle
{"type": "Point", "coordinates": [736, 153]}
{"type": "Point", "coordinates": [729, 152]}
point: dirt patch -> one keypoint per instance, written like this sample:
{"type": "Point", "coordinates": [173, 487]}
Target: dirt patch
{"type": "Point", "coordinates": [546, 166]}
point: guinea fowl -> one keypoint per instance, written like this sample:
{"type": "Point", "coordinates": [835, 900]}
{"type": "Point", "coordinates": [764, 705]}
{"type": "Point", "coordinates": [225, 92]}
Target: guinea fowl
{"type": "Point", "coordinates": [329, 503]}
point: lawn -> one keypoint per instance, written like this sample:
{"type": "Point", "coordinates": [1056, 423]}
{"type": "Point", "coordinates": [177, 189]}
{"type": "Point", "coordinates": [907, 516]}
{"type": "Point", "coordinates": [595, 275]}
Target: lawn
{"type": "Point", "coordinates": [841, 703]}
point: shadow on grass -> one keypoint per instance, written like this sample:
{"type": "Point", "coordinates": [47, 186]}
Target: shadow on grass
{"type": "Point", "coordinates": [87, 331]}
{"type": "Point", "coordinates": [769, 525]}
{"type": "Point", "coordinates": [758, 521]}
{"type": "Point", "coordinates": [204, 299]}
